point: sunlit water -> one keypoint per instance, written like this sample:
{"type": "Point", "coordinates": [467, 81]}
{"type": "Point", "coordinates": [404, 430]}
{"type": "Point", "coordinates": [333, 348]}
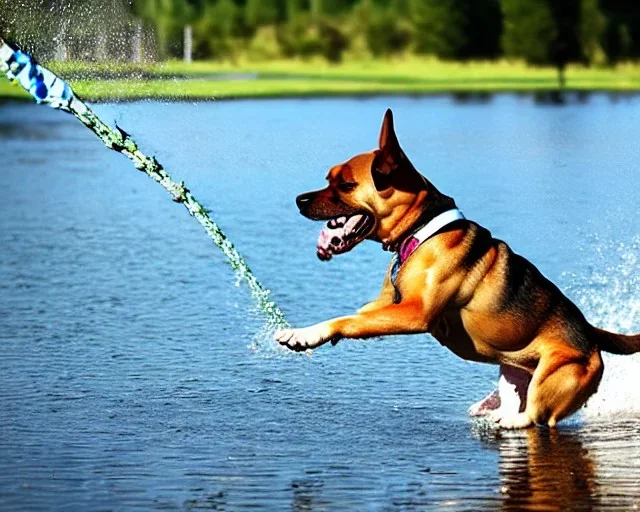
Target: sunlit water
{"type": "Point", "coordinates": [135, 375]}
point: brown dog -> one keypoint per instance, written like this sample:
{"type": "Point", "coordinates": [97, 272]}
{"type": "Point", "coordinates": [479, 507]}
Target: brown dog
{"type": "Point", "coordinates": [452, 279]}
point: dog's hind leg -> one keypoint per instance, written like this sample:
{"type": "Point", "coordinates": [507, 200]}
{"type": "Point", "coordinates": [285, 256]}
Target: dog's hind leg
{"type": "Point", "coordinates": [561, 384]}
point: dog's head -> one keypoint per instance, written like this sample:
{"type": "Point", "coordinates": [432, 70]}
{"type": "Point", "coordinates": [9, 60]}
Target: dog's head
{"type": "Point", "coordinates": [377, 195]}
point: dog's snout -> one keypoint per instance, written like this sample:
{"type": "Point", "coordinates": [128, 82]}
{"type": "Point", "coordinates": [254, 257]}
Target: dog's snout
{"type": "Point", "coordinates": [303, 200]}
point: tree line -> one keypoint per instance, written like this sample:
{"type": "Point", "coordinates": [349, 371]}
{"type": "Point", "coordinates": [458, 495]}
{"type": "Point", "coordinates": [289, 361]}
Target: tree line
{"type": "Point", "coordinates": [538, 31]}
{"type": "Point", "coordinates": [541, 32]}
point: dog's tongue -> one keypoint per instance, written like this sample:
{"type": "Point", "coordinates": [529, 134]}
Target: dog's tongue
{"type": "Point", "coordinates": [338, 236]}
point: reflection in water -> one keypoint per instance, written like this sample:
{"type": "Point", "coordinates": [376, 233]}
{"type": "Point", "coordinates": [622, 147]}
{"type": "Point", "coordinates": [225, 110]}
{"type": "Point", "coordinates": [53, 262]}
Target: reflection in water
{"type": "Point", "coordinates": [557, 469]}
{"type": "Point", "coordinates": [471, 97]}
{"type": "Point", "coordinates": [129, 386]}
{"type": "Point", "coordinates": [560, 97]}
{"type": "Point", "coordinates": [553, 97]}
{"type": "Point", "coordinates": [546, 470]}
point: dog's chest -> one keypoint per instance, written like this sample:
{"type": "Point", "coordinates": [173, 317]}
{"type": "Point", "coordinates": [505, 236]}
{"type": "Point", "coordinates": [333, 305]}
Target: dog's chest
{"type": "Point", "coordinates": [448, 328]}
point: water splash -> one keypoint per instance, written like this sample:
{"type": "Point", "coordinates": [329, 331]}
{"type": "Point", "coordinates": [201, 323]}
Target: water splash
{"type": "Point", "coordinates": [47, 88]}
{"type": "Point", "coordinates": [610, 298]}
{"type": "Point", "coordinates": [58, 30]}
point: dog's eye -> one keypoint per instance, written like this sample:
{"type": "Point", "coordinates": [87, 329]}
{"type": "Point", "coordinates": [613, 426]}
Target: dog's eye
{"type": "Point", "coordinates": [346, 186]}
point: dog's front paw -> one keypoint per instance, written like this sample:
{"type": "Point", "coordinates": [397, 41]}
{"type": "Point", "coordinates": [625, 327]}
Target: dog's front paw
{"type": "Point", "coordinates": [303, 339]}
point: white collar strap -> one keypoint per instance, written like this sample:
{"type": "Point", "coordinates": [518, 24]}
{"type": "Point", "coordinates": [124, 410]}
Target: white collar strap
{"type": "Point", "coordinates": [437, 223]}
{"type": "Point", "coordinates": [412, 242]}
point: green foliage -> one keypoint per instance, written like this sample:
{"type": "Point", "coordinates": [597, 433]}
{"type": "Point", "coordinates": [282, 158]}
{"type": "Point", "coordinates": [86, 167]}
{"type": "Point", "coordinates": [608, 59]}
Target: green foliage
{"type": "Point", "coordinates": [457, 29]}
{"type": "Point", "coordinates": [264, 45]}
{"type": "Point", "coordinates": [168, 17]}
{"type": "Point", "coordinates": [214, 31]}
{"type": "Point", "coordinates": [483, 26]}
{"type": "Point", "coordinates": [258, 13]}
{"type": "Point", "coordinates": [388, 35]}
{"type": "Point", "coordinates": [561, 31]}
{"type": "Point", "coordinates": [592, 25]}
{"type": "Point", "coordinates": [334, 41]}
{"type": "Point", "coordinates": [617, 41]}
{"type": "Point", "coordinates": [621, 39]}
{"type": "Point", "coordinates": [387, 31]}
{"type": "Point", "coordinates": [565, 47]}
{"type": "Point", "coordinates": [306, 37]}
{"type": "Point", "coordinates": [298, 37]}
{"type": "Point", "coordinates": [539, 32]}
{"type": "Point", "coordinates": [529, 30]}
{"type": "Point", "coordinates": [551, 31]}
{"type": "Point", "coordinates": [439, 27]}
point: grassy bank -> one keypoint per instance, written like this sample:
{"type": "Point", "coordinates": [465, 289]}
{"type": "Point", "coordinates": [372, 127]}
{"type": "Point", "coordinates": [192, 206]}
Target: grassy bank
{"type": "Point", "coordinates": [212, 80]}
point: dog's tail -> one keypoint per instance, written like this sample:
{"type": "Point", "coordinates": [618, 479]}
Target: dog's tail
{"type": "Point", "coordinates": [617, 343]}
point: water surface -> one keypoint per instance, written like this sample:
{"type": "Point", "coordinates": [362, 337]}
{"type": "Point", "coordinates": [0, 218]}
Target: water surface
{"type": "Point", "coordinates": [134, 374]}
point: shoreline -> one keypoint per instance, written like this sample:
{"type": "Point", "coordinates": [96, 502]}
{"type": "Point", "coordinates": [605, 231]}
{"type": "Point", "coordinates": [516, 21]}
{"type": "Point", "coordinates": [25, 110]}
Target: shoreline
{"type": "Point", "coordinates": [220, 81]}
{"type": "Point", "coordinates": [542, 96]}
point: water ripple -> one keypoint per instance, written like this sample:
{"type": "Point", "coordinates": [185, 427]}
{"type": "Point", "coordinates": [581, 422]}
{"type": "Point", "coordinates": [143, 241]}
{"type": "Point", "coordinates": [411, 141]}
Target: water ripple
{"type": "Point", "coordinates": [135, 376]}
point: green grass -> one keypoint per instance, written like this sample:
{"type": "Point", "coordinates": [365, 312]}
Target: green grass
{"type": "Point", "coordinates": [11, 91]}
{"type": "Point", "coordinates": [412, 76]}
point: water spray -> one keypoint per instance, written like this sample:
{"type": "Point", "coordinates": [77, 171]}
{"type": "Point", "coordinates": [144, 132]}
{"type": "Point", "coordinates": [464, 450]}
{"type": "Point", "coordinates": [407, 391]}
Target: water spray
{"type": "Point", "coordinates": [47, 88]}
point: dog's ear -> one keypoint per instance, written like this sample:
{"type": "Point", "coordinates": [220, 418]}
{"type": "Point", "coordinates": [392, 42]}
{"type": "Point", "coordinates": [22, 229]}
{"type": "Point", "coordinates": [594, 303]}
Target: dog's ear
{"type": "Point", "coordinates": [389, 156]}
{"type": "Point", "coordinates": [387, 133]}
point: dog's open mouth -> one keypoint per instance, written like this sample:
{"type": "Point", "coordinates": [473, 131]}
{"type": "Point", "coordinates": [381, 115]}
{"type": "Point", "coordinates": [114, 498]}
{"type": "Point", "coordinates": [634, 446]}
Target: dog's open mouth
{"type": "Point", "coordinates": [341, 234]}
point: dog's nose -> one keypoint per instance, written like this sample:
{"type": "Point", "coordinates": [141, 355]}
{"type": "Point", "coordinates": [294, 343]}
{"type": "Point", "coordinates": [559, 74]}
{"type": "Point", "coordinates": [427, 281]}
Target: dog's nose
{"type": "Point", "coordinates": [303, 200]}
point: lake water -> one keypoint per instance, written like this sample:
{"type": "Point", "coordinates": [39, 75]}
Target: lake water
{"type": "Point", "coordinates": [135, 375]}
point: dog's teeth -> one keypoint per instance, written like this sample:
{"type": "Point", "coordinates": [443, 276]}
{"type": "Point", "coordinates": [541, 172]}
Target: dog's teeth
{"type": "Point", "coordinates": [360, 229]}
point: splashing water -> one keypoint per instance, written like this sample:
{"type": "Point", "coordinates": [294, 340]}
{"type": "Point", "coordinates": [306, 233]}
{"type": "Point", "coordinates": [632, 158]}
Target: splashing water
{"type": "Point", "coordinates": [47, 88]}
{"type": "Point", "coordinates": [59, 30]}
{"type": "Point", "coordinates": [610, 299]}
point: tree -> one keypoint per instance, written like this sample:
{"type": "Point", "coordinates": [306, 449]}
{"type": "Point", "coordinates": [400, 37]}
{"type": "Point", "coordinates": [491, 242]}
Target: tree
{"type": "Point", "coordinates": [457, 29]}
{"type": "Point", "coordinates": [305, 37]}
{"type": "Point", "coordinates": [388, 33]}
{"type": "Point", "coordinates": [259, 12]}
{"type": "Point", "coordinates": [169, 18]}
{"type": "Point", "coordinates": [543, 32]}
{"type": "Point", "coordinates": [565, 46]}
{"type": "Point", "coordinates": [294, 8]}
{"type": "Point", "coordinates": [297, 38]}
{"type": "Point", "coordinates": [592, 25]}
{"type": "Point", "coordinates": [529, 29]}
{"type": "Point", "coordinates": [214, 32]}
{"type": "Point", "coordinates": [621, 39]}
{"type": "Point", "coordinates": [483, 26]}
{"type": "Point", "coordinates": [438, 25]}
{"type": "Point", "coordinates": [333, 40]}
